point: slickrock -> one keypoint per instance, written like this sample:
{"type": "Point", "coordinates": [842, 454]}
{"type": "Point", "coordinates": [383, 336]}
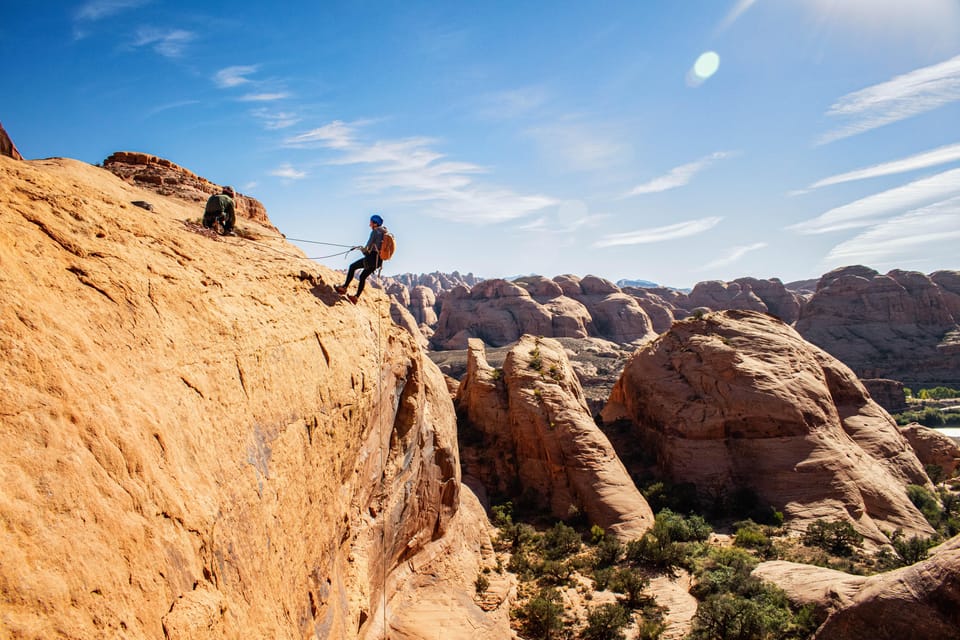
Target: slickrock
{"type": "Point", "coordinates": [168, 179]}
{"type": "Point", "coordinates": [918, 601]}
{"type": "Point", "coordinates": [933, 448]}
{"type": "Point", "coordinates": [896, 326]}
{"type": "Point", "coordinates": [738, 399]}
{"type": "Point", "coordinates": [533, 414]}
{"type": "Point", "coordinates": [200, 439]}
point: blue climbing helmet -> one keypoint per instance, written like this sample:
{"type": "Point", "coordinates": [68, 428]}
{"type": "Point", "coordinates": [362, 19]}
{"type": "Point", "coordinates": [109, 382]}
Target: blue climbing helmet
{"type": "Point", "coordinates": [376, 219]}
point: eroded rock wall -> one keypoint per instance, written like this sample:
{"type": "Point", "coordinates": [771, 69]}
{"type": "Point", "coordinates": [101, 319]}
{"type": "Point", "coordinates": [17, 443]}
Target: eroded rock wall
{"type": "Point", "coordinates": [538, 441]}
{"type": "Point", "coordinates": [200, 442]}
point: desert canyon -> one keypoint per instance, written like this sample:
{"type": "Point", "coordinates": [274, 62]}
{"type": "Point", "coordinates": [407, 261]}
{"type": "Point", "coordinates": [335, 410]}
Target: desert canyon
{"type": "Point", "coordinates": [202, 439]}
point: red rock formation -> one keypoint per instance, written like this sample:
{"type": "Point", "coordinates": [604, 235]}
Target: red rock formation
{"type": "Point", "coordinates": [884, 326]}
{"type": "Point", "coordinates": [933, 448]}
{"type": "Point", "coordinates": [889, 394]}
{"type": "Point", "coordinates": [739, 399]}
{"type": "Point", "coordinates": [534, 415]}
{"type": "Point", "coordinates": [168, 179]}
{"type": "Point", "coordinates": [499, 312]}
{"type": "Point", "coordinates": [919, 601]}
{"type": "Point", "coordinates": [199, 442]}
{"type": "Point", "coordinates": [7, 148]}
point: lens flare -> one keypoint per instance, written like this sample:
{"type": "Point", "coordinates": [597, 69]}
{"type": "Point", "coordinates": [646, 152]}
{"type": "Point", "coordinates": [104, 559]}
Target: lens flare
{"type": "Point", "coordinates": [705, 66]}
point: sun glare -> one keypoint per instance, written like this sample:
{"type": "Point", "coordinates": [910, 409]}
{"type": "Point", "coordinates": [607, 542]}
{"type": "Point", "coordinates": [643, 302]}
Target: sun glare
{"type": "Point", "coordinates": [705, 66]}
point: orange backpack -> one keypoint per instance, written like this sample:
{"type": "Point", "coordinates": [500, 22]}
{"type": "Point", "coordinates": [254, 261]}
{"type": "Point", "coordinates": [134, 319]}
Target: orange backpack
{"type": "Point", "coordinates": [388, 246]}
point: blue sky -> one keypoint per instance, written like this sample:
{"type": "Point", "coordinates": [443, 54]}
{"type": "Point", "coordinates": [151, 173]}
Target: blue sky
{"type": "Point", "coordinates": [660, 140]}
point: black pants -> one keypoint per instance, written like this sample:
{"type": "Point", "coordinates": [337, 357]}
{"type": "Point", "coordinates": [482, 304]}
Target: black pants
{"type": "Point", "coordinates": [369, 264]}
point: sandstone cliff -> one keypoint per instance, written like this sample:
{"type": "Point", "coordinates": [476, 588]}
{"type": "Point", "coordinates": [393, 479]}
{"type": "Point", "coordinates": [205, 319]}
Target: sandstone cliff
{"type": "Point", "coordinates": [739, 400]}
{"type": "Point", "coordinates": [201, 440]}
{"type": "Point", "coordinates": [538, 442]}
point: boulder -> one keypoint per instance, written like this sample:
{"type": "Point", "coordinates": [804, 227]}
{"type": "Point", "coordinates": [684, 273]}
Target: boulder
{"type": "Point", "coordinates": [549, 449]}
{"type": "Point", "coordinates": [738, 399]}
{"type": "Point", "coordinates": [918, 601]}
{"type": "Point", "coordinates": [933, 448]}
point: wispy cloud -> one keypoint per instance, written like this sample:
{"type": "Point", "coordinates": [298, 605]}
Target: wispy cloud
{"type": "Point", "coordinates": [658, 234]}
{"type": "Point", "coordinates": [504, 105]}
{"type": "Point", "coordinates": [902, 97]}
{"type": "Point", "coordinates": [100, 9]}
{"type": "Point", "coordinates": [412, 171]}
{"type": "Point", "coordinates": [931, 230]}
{"type": "Point", "coordinates": [872, 209]}
{"type": "Point", "coordinates": [263, 97]}
{"type": "Point", "coordinates": [738, 10]}
{"type": "Point", "coordinates": [287, 172]}
{"type": "Point", "coordinates": [273, 120]}
{"type": "Point", "coordinates": [170, 106]}
{"type": "Point", "coordinates": [169, 43]}
{"type": "Point", "coordinates": [579, 144]}
{"type": "Point", "coordinates": [234, 76]}
{"type": "Point", "coordinates": [732, 256]}
{"type": "Point", "coordinates": [678, 176]}
{"type": "Point", "coordinates": [940, 155]}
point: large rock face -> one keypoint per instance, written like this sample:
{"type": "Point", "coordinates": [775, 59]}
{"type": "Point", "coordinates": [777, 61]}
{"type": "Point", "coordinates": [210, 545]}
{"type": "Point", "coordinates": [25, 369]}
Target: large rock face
{"type": "Point", "coordinates": [168, 179]}
{"type": "Point", "coordinates": [739, 399]}
{"type": "Point", "coordinates": [899, 325]}
{"type": "Point", "coordinates": [919, 601]}
{"type": "Point", "coordinates": [532, 413]}
{"type": "Point", "coordinates": [199, 442]}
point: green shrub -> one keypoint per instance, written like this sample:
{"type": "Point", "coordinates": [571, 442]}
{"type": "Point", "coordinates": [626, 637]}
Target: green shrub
{"type": "Point", "coordinates": [481, 584]}
{"type": "Point", "coordinates": [602, 578]}
{"type": "Point", "coordinates": [541, 618]}
{"type": "Point", "coordinates": [938, 393]}
{"type": "Point", "coordinates": [682, 528]}
{"type": "Point", "coordinates": [606, 622]}
{"type": "Point", "coordinates": [607, 553]}
{"type": "Point", "coordinates": [680, 498]}
{"type": "Point", "coordinates": [752, 536]}
{"type": "Point", "coordinates": [912, 550]}
{"type": "Point", "coordinates": [727, 616]}
{"type": "Point", "coordinates": [597, 534]}
{"type": "Point", "coordinates": [631, 583]}
{"type": "Point", "coordinates": [560, 541]}
{"type": "Point", "coordinates": [838, 537]}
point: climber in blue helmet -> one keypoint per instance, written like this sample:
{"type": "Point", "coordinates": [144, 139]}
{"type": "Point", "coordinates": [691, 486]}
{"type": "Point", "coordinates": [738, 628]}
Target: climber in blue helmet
{"type": "Point", "coordinates": [370, 261]}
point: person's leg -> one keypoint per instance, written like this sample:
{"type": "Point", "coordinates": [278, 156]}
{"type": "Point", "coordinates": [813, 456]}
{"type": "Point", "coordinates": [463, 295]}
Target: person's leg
{"type": "Point", "coordinates": [363, 278]}
{"type": "Point", "coordinates": [350, 271]}
{"type": "Point", "coordinates": [229, 221]}
{"type": "Point", "coordinates": [369, 266]}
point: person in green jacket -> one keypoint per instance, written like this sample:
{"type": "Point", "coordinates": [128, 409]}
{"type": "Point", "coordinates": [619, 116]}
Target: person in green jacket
{"type": "Point", "coordinates": [220, 208]}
